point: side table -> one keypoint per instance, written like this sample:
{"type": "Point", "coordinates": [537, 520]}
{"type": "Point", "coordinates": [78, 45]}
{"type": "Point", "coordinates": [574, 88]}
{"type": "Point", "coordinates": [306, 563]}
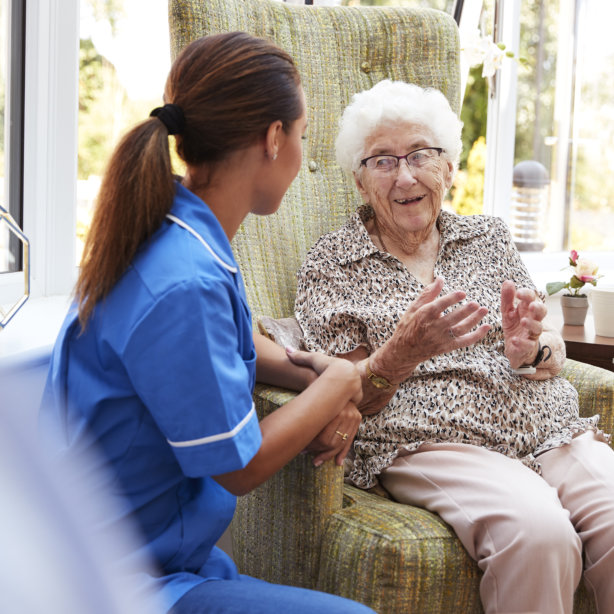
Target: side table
{"type": "Point", "coordinates": [581, 342]}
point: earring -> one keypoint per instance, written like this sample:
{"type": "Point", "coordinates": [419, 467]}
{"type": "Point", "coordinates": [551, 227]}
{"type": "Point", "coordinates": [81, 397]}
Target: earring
{"type": "Point", "coordinates": [274, 156]}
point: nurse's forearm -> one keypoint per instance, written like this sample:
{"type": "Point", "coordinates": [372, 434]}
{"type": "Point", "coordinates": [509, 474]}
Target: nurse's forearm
{"type": "Point", "coordinates": [273, 366]}
{"type": "Point", "coordinates": [291, 428]}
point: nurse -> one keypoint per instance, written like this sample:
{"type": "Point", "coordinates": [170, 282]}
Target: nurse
{"type": "Point", "coordinates": [155, 365]}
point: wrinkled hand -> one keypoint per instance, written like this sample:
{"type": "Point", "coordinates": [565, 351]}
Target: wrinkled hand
{"type": "Point", "coordinates": [425, 331]}
{"type": "Point", "coordinates": [522, 315]}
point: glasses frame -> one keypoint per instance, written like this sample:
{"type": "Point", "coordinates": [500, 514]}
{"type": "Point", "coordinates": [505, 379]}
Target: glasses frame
{"type": "Point", "coordinates": [364, 161]}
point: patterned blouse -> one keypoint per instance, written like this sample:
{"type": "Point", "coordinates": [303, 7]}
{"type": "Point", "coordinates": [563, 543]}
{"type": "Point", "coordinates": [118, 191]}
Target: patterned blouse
{"type": "Point", "coordinates": [351, 294]}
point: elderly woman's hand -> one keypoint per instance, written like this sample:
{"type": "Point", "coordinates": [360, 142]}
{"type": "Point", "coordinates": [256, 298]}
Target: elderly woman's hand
{"type": "Point", "coordinates": [522, 314]}
{"type": "Point", "coordinates": [425, 331]}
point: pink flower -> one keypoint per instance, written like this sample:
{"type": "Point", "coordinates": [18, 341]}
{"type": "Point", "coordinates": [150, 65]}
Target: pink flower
{"type": "Point", "coordinates": [584, 271]}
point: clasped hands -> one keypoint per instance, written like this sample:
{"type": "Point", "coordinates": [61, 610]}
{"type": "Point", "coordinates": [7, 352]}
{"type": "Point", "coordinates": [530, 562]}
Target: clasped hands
{"type": "Point", "coordinates": [336, 438]}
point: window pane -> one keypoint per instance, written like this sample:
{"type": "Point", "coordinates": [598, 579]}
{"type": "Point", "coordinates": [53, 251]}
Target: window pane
{"type": "Point", "coordinates": [12, 18]}
{"type": "Point", "coordinates": [592, 152]}
{"type": "Point", "coordinates": [565, 118]}
{"type": "Point", "coordinates": [120, 82]}
{"type": "Point", "coordinates": [4, 235]}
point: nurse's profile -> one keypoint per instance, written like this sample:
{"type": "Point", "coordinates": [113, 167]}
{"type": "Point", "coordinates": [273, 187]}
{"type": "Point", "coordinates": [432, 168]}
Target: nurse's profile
{"type": "Point", "coordinates": [156, 361]}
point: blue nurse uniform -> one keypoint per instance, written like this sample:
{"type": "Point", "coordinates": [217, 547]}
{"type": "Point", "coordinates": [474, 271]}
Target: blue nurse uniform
{"type": "Point", "coordinates": [160, 383]}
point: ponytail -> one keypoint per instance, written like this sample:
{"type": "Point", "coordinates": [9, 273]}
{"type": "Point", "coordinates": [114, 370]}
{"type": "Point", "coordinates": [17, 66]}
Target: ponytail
{"type": "Point", "coordinates": [136, 193]}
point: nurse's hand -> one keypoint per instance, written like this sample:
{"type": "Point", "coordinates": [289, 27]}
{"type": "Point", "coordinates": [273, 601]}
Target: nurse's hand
{"type": "Point", "coordinates": [337, 437]}
{"type": "Point", "coordinates": [339, 371]}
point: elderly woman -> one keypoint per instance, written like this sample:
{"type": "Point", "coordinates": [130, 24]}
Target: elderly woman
{"type": "Point", "coordinates": [463, 411]}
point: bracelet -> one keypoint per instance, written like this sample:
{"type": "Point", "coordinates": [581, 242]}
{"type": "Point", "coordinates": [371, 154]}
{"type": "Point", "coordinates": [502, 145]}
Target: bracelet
{"type": "Point", "coordinates": [543, 354]}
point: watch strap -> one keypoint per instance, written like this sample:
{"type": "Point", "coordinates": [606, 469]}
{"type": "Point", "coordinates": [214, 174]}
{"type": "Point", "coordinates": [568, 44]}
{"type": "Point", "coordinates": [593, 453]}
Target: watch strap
{"type": "Point", "coordinates": [543, 354]}
{"type": "Point", "coordinates": [377, 380]}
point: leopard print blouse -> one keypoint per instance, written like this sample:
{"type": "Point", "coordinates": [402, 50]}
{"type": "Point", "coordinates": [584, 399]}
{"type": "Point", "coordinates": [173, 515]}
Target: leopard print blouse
{"type": "Point", "coordinates": [351, 294]}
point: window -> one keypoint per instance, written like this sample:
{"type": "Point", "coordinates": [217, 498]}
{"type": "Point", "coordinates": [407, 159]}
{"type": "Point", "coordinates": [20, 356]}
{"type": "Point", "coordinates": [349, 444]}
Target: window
{"type": "Point", "coordinates": [579, 182]}
{"type": "Point", "coordinates": [12, 20]}
{"type": "Point", "coordinates": [560, 114]}
{"type": "Point", "coordinates": [120, 82]}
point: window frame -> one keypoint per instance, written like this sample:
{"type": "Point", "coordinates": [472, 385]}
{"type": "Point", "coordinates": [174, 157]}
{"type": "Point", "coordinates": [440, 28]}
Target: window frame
{"type": "Point", "coordinates": [49, 148]}
{"type": "Point", "coordinates": [14, 126]}
{"type": "Point", "coordinates": [501, 118]}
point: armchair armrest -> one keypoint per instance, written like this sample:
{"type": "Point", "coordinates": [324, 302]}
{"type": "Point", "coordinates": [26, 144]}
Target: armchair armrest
{"type": "Point", "coordinates": [595, 388]}
{"type": "Point", "coordinates": [289, 512]}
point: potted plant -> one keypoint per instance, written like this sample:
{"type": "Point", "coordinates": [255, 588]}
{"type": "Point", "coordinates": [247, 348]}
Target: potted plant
{"type": "Point", "coordinates": [575, 303]}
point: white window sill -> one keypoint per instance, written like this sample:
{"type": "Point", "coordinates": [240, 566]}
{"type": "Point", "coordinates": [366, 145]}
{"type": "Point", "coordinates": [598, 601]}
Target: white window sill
{"type": "Point", "coordinates": [33, 328]}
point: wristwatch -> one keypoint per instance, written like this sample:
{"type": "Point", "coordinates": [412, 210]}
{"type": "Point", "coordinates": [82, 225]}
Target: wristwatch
{"type": "Point", "coordinates": [543, 354]}
{"type": "Point", "coordinates": [377, 380]}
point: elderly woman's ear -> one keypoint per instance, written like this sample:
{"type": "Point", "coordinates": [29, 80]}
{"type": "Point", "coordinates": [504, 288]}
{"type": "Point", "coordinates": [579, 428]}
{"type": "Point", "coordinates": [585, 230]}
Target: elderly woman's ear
{"type": "Point", "coordinates": [361, 189]}
{"type": "Point", "coordinates": [449, 175]}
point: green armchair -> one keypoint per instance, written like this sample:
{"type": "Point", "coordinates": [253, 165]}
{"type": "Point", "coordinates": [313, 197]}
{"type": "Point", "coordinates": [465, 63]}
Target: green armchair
{"type": "Point", "coordinates": [305, 526]}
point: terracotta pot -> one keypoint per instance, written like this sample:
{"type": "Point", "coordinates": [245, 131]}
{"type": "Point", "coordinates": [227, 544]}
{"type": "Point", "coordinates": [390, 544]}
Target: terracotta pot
{"type": "Point", "coordinates": [574, 309]}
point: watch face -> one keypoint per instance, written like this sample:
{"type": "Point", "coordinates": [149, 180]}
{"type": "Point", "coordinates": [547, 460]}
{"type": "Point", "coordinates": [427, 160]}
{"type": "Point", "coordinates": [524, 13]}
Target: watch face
{"type": "Point", "coordinates": [379, 382]}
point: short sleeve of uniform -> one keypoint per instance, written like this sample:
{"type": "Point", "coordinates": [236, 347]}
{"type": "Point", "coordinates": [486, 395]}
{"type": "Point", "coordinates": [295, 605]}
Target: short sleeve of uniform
{"type": "Point", "coordinates": [191, 358]}
{"type": "Point", "coordinates": [327, 307]}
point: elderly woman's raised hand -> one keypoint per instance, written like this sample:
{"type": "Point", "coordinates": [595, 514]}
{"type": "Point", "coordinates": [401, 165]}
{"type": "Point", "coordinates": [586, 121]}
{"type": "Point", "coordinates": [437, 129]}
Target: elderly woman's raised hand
{"type": "Point", "coordinates": [425, 331]}
{"type": "Point", "coordinates": [522, 314]}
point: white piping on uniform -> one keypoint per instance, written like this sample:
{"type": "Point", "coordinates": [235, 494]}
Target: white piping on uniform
{"type": "Point", "coordinates": [191, 230]}
{"type": "Point", "coordinates": [213, 438]}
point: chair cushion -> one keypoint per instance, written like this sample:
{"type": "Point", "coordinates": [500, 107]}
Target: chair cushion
{"type": "Point", "coordinates": [396, 558]}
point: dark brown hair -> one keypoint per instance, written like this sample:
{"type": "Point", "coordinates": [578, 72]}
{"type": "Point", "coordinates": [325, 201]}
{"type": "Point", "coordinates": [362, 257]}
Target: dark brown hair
{"type": "Point", "coordinates": [230, 87]}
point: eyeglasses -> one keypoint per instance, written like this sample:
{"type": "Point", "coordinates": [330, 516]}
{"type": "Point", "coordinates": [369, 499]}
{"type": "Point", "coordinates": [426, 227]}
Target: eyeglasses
{"type": "Point", "coordinates": [387, 163]}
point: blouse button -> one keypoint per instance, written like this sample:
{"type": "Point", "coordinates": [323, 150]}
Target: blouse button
{"type": "Point", "coordinates": [312, 165]}
{"type": "Point", "coordinates": [365, 67]}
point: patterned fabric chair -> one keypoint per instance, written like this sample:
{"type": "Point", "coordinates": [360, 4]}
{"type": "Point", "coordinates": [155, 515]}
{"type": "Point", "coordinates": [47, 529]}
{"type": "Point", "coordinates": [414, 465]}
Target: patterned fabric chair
{"type": "Point", "coordinates": [304, 526]}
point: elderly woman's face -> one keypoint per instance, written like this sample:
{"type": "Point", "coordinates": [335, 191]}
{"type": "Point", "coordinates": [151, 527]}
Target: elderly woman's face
{"type": "Point", "coordinates": [406, 199]}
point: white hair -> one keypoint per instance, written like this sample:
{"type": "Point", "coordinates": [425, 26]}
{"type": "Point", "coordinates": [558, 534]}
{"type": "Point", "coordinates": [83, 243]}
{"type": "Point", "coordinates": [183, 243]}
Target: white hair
{"type": "Point", "coordinates": [395, 102]}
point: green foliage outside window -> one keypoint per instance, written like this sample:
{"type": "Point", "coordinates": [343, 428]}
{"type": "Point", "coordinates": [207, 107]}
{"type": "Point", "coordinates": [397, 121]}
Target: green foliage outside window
{"type": "Point", "coordinates": [469, 184]}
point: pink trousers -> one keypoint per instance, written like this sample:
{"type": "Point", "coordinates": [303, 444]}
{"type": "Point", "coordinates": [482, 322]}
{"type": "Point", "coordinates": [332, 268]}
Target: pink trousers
{"type": "Point", "coordinates": [527, 532]}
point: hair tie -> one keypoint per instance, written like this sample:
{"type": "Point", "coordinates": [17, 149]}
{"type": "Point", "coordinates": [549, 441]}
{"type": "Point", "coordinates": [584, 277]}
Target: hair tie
{"type": "Point", "coordinates": [171, 116]}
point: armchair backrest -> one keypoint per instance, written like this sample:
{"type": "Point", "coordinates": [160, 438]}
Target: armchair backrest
{"type": "Point", "coordinates": [339, 51]}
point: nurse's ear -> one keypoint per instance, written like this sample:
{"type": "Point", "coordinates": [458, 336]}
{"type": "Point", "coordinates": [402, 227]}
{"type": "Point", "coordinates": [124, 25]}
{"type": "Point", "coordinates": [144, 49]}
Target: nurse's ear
{"type": "Point", "coordinates": [273, 140]}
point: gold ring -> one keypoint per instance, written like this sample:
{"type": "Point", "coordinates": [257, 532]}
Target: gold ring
{"type": "Point", "coordinates": [343, 436]}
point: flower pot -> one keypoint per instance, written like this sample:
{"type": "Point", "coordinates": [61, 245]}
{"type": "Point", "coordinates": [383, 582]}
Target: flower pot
{"type": "Point", "coordinates": [602, 301]}
{"type": "Point", "coordinates": [574, 309]}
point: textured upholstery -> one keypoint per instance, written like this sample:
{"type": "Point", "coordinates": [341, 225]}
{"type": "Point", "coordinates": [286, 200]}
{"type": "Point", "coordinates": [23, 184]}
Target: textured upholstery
{"type": "Point", "coordinates": [304, 526]}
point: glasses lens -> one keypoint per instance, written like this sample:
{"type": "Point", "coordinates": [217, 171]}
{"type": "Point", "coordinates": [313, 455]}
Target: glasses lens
{"type": "Point", "coordinates": [382, 163]}
{"type": "Point", "coordinates": [422, 157]}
